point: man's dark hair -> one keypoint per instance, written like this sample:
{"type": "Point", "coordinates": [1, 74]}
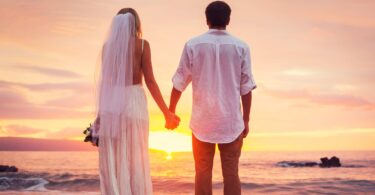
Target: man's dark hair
{"type": "Point", "coordinates": [218, 13]}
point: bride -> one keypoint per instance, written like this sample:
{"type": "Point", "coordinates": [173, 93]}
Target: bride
{"type": "Point", "coordinates": [122, 108]}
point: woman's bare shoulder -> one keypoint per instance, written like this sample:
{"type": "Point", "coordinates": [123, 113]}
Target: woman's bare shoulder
{"type": "Point", "coordinates": [146, 43]}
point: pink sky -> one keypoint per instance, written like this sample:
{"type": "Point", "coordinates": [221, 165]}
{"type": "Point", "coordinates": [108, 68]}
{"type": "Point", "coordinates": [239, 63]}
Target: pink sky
{"type": "Point", "coordinates": [313, 62]}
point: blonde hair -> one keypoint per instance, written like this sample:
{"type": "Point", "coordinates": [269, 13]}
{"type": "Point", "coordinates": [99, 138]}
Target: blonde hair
{"type": "Point", "coordinates": [137, 20]}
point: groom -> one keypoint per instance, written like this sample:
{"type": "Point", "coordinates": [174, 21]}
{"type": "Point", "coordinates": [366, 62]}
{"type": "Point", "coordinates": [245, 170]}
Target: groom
{"type": "Point", "coordinates": [219, 67]}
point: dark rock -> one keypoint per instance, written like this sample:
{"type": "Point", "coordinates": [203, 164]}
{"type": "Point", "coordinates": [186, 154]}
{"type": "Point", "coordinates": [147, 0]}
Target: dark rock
{"type": "Point", "coordinates": [6, 168]}
{"type": "Point", "coordinates": [332, 162]}
{"type": "Point", "coordinates": [325, 163]}
{"type": "Point", "coordinates": [310, 164]}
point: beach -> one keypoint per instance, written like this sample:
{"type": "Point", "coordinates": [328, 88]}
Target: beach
{"type": "Point", "coordinates": [77, 173]}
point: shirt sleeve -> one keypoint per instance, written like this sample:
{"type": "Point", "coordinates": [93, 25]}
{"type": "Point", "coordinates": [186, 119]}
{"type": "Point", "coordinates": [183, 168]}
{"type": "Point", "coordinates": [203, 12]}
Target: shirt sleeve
{"type": "Point", "coordinates": [247, 80]}
{"type": "Point", "coordinates": [182, 77]}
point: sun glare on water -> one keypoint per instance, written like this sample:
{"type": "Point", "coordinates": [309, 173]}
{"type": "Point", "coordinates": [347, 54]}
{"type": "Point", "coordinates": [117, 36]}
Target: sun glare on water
{"type": "Point", "coordinates": [169, 155]}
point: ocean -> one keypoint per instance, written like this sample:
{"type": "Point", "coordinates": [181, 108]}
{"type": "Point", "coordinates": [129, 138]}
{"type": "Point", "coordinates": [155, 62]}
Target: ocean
{"type": "Point", "coordinates": [261, 173]}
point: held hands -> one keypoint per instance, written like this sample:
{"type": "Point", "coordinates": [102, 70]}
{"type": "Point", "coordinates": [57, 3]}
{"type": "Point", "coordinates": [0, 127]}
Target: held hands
{"type": "Point", "coordinates": [171, 121]}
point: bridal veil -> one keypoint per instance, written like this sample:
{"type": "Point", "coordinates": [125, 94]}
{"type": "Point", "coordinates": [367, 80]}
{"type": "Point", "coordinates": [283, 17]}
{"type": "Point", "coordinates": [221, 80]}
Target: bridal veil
{"type": "Point", "coordinates": [122, 111]}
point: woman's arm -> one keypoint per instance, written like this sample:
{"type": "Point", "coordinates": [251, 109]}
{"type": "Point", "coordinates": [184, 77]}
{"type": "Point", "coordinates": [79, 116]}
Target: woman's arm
{"type": "Point", "coordinates": [171, 119]}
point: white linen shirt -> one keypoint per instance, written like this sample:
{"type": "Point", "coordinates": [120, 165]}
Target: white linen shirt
{"type": "Point", "coordinates": [219, 67]}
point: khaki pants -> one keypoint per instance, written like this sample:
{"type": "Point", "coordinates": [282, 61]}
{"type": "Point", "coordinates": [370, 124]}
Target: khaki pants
{"type": "Point", "coordinates": [204, 155]}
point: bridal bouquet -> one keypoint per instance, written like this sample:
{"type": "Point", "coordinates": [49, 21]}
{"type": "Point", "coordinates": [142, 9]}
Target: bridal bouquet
{"type": "Point", "coordinates": [91, 135]}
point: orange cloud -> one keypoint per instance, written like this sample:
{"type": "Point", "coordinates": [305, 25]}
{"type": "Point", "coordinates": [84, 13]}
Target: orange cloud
{"type": "Point", "coordinates": [47, 71]}
{"type": "Point", "coordinates": [14, 105]}
{"type": "Point", "coordinates": [66, 133]}
{"type": "Point", "coordinates": [72, 101]}
{"type": "Point", "coordinates": [17, 130]}
{"type": "Point", "coordinates": [71, 86]}
{"type": "Point", "coordinates": [322, 99]}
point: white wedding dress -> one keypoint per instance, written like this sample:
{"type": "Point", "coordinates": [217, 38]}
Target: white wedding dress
{"type": "Point", "coordinates": [122, 108]}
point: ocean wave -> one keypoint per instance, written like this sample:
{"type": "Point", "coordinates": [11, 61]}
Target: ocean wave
{"type": "Point", "coordinates": [353, 166]}
{"type": "Point", "coordinates": [29, 184]}
{"type": "Point", "coordinates": [67, 182]}
{"type": "Point", "coordinates": [30, 181]}
{"type": "Point", "coordinates": [313, 186]}
{"type": "Point", "coordinates": [296, 164]}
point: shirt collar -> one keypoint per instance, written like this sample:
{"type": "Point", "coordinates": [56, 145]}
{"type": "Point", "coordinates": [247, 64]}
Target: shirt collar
{"type": "Point", "coordinates": [212, 30]}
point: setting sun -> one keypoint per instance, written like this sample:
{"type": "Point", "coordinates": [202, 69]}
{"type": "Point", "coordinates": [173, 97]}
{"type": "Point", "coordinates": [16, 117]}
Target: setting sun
{"type": "Point", "coordinates": [170, 142]}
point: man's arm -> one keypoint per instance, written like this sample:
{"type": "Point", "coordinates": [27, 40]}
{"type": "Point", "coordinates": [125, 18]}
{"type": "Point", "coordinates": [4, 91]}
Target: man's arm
{"type": "Point", "coordinates": [175, 97]}
{"type": "Point", "coordinates": [246, 107]}
{"type": "Point", "coordinates": [181, 79]}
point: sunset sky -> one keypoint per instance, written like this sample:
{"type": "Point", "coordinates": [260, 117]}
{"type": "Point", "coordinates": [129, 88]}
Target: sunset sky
{"type": "Point", "coordinates": [313, 61]}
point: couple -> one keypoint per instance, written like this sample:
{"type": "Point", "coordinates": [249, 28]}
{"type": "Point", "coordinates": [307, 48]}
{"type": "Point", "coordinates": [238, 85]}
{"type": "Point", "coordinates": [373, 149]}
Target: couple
{"type": "Point", "coordinates": [217, 64]}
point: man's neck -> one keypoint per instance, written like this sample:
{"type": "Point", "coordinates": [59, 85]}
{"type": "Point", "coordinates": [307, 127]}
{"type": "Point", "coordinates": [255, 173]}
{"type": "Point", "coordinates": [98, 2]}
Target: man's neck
{"type": "Point", "coordinates": [218, 28]}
